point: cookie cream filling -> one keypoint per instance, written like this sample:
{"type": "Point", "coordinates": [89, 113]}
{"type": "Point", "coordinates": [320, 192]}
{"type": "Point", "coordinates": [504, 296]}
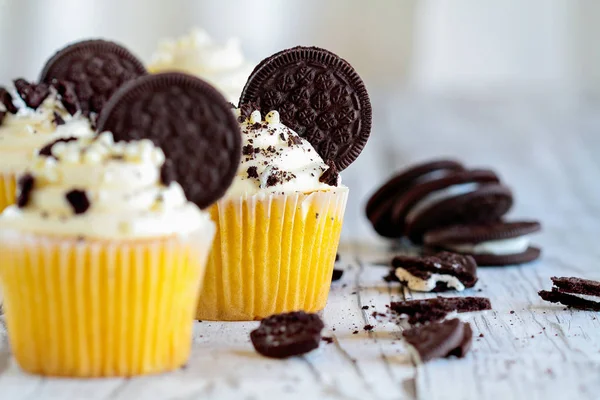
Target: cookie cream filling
{"type": "Point", "coordinates": [95, 188]}
{"type": "Point", "coordinates": [440, 195]}
{"type": "Point", "coordinates": [28, 130]}
{"type": "Point", "coordinates": [275, 159]}
{"type": "Point", "coordinates": [427, 285]}
{"type": "Point", "coordinates": [496, 247]}
{"type": "Point", "coordinates": [224, 66]}
{"type": "Point", "coordinates": [587, 297]}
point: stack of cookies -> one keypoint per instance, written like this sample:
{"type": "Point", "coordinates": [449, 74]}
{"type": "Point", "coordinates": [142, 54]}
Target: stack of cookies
{"type": "Point", "coordinates": [444, 205]}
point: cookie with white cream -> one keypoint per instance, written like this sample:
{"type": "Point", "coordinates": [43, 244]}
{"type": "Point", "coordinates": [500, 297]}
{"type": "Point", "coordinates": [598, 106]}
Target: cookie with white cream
{"type": "Point", "coordinates": [441, 272]}
{"type": "Point", "coordinates": [494, 243]}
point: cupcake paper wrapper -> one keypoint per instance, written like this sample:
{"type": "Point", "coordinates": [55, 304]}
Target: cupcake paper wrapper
{"type": "Point", "coordinates": [101, 308]}
{"type": "Point", "coordinates": [272, 254]}
{"type": "Point", "coordinates": [8, 190]}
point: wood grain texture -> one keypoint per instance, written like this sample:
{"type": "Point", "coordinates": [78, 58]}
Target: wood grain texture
{"type": "Point", "coordinates": [549, 152]}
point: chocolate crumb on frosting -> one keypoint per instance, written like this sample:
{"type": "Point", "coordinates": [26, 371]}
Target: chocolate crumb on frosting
{"type": "Point", "coordinates": [32, 94]}
{"type": "Point", "coordinates": [272, 180]}
{"type": "Point", "coordinates": [167, 173]}
{"type": "Point", "coordinates": [46, 151]}
{"type": "Point", "coordinates": [330, 176]}
{"type": "Point", "coordinates": [25, 185]}
{"type": "Point", "coordinates": [58, 120]}
{"type": "Point", "coordinates": [7, 100]}
{"type": "Point", "coordinates": [248, 150]}
{"type": "Point", "coordinates": [67, 95]}
{"type": "Point", "coordinates": [247, 109]}
{"type": "Point", "coordinates": [252, 172]}
{"type": "Point", "coordinates": [78, 200]}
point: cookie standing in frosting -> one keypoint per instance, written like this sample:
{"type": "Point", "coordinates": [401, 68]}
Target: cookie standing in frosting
{"type": "Point", "coordinates": [96, 188]}
{"type": "Point", "coordinates": [275, 159]}
{"type": "Point", "coordinates": [35, 116]}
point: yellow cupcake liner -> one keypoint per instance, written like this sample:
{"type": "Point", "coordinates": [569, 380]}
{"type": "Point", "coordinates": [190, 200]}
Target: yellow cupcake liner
{"type": "Point", "coordinates": [101, 308]}
{"type": "Point", "coordinates": [272, 254]}
{"type": "Point", "coordinates": [8, 189]}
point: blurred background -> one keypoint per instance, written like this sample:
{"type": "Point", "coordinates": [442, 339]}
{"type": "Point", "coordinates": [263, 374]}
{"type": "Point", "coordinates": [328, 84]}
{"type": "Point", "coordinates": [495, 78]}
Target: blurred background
{"type": "Point", "coordinates": [477, 79]}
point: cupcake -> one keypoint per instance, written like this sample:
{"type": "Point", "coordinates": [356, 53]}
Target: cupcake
{"type": "Point", "coordinates": [279, 225]}
{"type": "Point", "coordinates": [224, 66]}
{"type": "Point", "coordinates": [102, 258]}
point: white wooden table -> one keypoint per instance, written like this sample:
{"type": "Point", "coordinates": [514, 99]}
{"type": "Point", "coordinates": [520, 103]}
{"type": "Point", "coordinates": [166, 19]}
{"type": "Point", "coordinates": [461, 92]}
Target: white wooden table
{"type": "Point", "coordinates": [549, 152]}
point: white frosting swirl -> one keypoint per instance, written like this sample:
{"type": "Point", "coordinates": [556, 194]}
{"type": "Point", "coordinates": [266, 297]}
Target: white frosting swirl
{"type": "Point", "coordinates": [275, 159]}
{"type": "Point", "coordinates": [224, 66]}
{"type": "Point", "coordinates": [24, 133]}
{"type": "Point", "coordinates": [122, 184]}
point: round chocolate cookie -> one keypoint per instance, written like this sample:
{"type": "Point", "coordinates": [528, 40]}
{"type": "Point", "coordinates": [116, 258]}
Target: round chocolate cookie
{"type": "Point", "coordinates": [477, 233]}
{"type": "Point", "coordinates": [473, 239]}
{"type": "Point", "coordinates": [192, 123]}
{"type": "Point", "coordinates": [96, 68]}
{"type": "Point", "coordinates": [493, 260]}
{"type": "Point", "coordinates": [317, 94]}
{"type": "Point", "coordinates": [380, 205]}
{"type": "Point", "coordinates": [489, 202]}
{"type": "Point", "coordinates": [287, 335]}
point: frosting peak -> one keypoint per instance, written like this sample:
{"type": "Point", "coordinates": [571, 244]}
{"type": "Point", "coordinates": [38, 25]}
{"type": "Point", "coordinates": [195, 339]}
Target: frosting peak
{"type": "Point", "coordinates": [97, 188]}
{"type": "Point", "coordinates": [224, 66]}
{"type": "Point", "coordinates": [275, 159]}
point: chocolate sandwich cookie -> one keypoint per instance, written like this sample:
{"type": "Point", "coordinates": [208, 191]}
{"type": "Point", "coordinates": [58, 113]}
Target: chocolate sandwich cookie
{"type": "Point", "coordinates": [462, 197]}
{"type": "Point", "coordinates": [287, 335]}
{"type": "Point", "coordinates": [429, 310]}
{"type": "Point", "coordinates": [494, 243]}
{"type": "Point", "coordinates": [574, 292]}
{"type": "Point", "coordinates": [190, 121]}
{"type": "Point", "coordinates": [318, 95]}
{"type": "Point", "coordinates": [381, 203]}
{"type": "Point", "coordinates": [442, 272]}
{"type": "Point", "coordinates": [95, 69]}
{"type": "Point", "coordinates": [440, 339]}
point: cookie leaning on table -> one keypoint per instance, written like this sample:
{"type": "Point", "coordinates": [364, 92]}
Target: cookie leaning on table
{"type": "Point", "coordinates": [103, 259]}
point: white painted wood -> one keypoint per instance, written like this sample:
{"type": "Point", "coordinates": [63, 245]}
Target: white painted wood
{"type": "Point", "coordinates": [549, 151]}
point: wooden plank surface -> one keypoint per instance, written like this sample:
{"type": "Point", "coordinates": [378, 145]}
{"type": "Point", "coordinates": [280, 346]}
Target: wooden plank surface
{"type": "Point", "coordinates": [549, 152]}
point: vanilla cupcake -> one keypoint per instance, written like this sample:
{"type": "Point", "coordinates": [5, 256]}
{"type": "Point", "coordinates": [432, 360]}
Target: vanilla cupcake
{"type": "Point", "coordinates": [279, 225]}
{"type": "Point", "coordinates": [35, 116]}
{"type": "Point", "coordinates": [224, 66]}
{"type": "Point", "coordinates": [103, 256]}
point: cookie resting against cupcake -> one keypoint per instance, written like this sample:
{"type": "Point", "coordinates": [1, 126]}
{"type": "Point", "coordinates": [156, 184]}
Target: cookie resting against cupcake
{"type": "Point", "coordinates": [108, 237]}
{"type": "Point", "coordinates": [305, 115]}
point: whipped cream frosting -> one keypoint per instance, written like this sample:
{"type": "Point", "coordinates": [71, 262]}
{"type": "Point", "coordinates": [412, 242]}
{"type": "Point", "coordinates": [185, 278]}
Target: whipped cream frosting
{"type": "Point", "coordinates": [427, 285]}
{"type": "Point", "coordinates": [96, 188]}
{"type": "Point", "coordinates": [496, 247]}
{"type": "Point", "coordinates": [224, 66]}
{"type": "Point", "coordinates": [25, 132]}
{"type": "Point", "coordinates": [275, 159]}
